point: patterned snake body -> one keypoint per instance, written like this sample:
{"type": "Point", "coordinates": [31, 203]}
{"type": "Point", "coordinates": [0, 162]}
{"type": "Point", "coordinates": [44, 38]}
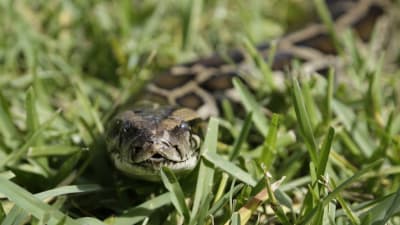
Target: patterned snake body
{"type": "Point", "coordinates": [151, 135]}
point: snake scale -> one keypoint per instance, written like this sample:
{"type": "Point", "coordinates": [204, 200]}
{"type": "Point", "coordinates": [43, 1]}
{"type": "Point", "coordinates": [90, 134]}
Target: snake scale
{"type": "Point", "coordinates": [157, 131]}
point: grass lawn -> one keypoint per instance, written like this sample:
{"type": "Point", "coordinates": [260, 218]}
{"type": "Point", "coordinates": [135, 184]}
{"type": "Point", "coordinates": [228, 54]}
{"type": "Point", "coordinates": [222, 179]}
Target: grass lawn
{"type": "Point", "coordinates": [327, 153]}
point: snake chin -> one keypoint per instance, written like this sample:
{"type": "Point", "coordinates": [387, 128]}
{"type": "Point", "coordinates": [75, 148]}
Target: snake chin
{"type": "Point", "coordinates": [150, 169]}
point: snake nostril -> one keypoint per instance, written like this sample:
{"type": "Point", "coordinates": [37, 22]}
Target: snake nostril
{"type": "Point", "coordinates": [165, 143]}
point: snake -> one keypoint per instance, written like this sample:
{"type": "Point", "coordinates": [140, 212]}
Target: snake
{"type": "Point", "coordinates": [161, 128]}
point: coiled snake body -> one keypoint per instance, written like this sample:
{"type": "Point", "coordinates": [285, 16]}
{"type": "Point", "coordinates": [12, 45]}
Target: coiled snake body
{"type": "Point", "coordinates": [150, 135]}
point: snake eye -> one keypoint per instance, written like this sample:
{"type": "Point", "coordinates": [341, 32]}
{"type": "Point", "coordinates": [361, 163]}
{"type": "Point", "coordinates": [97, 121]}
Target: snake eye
{"type": "Point", "coordinates": [194, 141]}
{"type": "Point", "coordinates": [114, 128]}
{"type": "Point", "coordinates": [126, 126]}
{"type": "Point", "coordinates": [184, 126]}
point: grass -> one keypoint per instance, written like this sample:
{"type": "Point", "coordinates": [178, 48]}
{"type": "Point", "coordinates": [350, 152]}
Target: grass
{"type": "Point", "coordinates": [327, 154]}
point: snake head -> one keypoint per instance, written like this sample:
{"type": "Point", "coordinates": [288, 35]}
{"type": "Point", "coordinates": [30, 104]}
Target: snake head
{"type": "Point", "coordinates": [143, 140]}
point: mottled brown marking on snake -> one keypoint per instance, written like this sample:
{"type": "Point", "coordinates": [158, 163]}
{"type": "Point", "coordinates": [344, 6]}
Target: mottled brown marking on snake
{"type": "Point", "coordinates": [169, 82]}
{"type": "Point", "coordinates": [282, 61]}
{"type": "Point", "coordinates": [190, 100]}
{"type": "Point", "coordinates": [364, 26]}
{"type": "Point", "coordinates": [321, 41]}
{"type": "Point", "coordinates": [235, 56]}
{"type": "Point", "coordinates": [218, 82]}
{"type": "Point", "coordinates": [185, 114]}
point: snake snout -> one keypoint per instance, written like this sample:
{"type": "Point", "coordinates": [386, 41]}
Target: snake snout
{"type": "Point", "coordinates": [164, 150]}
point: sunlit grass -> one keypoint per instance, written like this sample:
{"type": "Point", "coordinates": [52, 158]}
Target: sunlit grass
{"type": "Point", "coordinates": [326, 152]}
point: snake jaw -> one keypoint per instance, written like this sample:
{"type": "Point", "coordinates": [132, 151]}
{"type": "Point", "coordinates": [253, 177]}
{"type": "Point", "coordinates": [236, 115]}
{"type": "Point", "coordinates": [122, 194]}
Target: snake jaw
{"type": "Point", "coordinates": [149, 169]}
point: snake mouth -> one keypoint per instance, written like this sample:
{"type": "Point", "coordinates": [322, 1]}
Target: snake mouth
{"type": "Point", "coordinates": [158, 160]}
{"type": "Point", "coordinates": [149, 169]}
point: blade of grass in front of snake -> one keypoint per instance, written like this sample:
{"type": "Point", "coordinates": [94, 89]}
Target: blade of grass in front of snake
{"type": "Point", "coordinates": [56, 150]}
{"type": "Point", "coordinates": [235, 219]}
{"type": "Point", "coordinates": [230, 168]}
{"type": "Point", "coordinates": [206, 170]}
{"type": "Point", "coordinates": [14, 216]}
{"type": "Point", "coordinates": [177, 197]}
{"type": "Point", "coordinates": [18, 216]}
{"type": "Point", "coordinates": [32, 204]}
{"type": "Point", "coordinates": [7, 174]}
{"type": "Point", "coordinates": [140, 212]}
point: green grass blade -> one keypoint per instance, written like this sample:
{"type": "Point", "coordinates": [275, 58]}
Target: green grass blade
{"type": "Point", "coordinates": [32, 117]}
{"type": "Point", "coordinates": [225, 198]}
{"type": "Point", "coordinates": [206, 170]}
{"type": "Point", "coordinates": [88, 109]}
{"type": "Point", "coordinates": [344, 114]}
{"type": "Point", "coordinates": [140, 212]}
{"type": "Point", "coordinates": [177, 197]}
{"type": "Point", "coordinates": [314, 116]}
{"type": "Point", "coordinates": [2, 213]}
{"type": "Point", "coordinates": [354, 219]}
{"type": "Point", "coordinates": [16, 216]}
{"type": "Point", "coordinates": [87, 221]}
{"type": "Point", "coordinates": [7, 175]}
{"type": "Point", "coordinates": [251, 105]}
{"type": "Point", "coordinates": [190, 20]}
{"type": "Point", "coordinates": [230, 168]}
{"type": "Point", "coordinates": [203, 211]}
{"type": "Point", "coordinates": [268, 81]}
{"type": "Point", "coordinates": [384, 210]}
{"type": "Point", "coordinates": [11, 158]}
{"type": "Point", "coordinates": [72, 189]}
{"type": "Point", "coordinates": [324, 152]}
{"type": "Point", "coordinates": [52, 150]}
{"type": "Point", "coordinates": [375, 93]}
{"type": "Point", "coordinates": [244, 132]}
{"type": "Point", "coordinates": [304, 121]}
{"type": "Point", "coordinates": [30, 203]}
{"type": "Point", "coordinates": [269, 146]}
{"type": "Point", "coordinates": [350, 180]}
{"type": "Point", "coordinates": [334, 193]}
{"type": "Point", "coordinates": [7, 127]}
{"type": "Point", "coordinates": [235, 219]}
{"type": "Point", "coordinates": [324, 14]}
{"type": "Point", "coordinates": [327, 115]}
